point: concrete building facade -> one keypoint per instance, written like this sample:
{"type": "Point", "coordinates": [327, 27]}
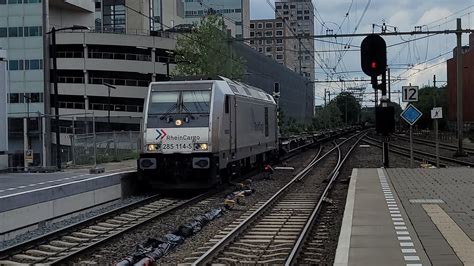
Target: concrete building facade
{"type": "Point", "coordinates": [277, 46]}
{"type": "Point", "coordinates": [236, 13]}
{"type": "Point", "coordinates": [298, 15]}
{"type": "Point", "coordinates": [21, 31]}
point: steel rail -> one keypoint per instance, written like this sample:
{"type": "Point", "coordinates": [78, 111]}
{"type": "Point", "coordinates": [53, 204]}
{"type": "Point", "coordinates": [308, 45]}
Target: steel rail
{"type": "Point", "coordinates": [239, 229]}
{"type": "Point", "coordinates": [69, 256]}
{"type": "Point", "coordinates": [76, 248]}
{"type": "Point", "coordinates": [427, 154]}
{"type": "Point", "coordinates": [446, 146]}
{"type": "Point", "coordinates": [7, 252]}
{"type": "Point", "coordinates": [292, 258]}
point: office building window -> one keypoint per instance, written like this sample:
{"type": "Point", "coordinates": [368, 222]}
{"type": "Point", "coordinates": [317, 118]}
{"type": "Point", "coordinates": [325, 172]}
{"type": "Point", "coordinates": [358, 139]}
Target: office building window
{"type": "Point", "coordinates": [279, 33]}
{"type": "Point", "coordinates": [252, 42]}
{"type": "Point", "coordinates": [15, 32]}
{"type": "Point", "coordinates": [32, 31]}
{"type": "Point", "coordinates": [252, 34]}
{"type": "Point", "coordinates": [260, 25]}
{"type": "Point", "coordinates": [268, 25]}
{"type": "Point", "coordinates": [279, 56]}
{"type": "Point", "coordinates": [114, 19]}
{"type": "Point", "coordinates": [279, 41]}
{"type": "Point", "coordinates": [14, 98]}
{"type": "Point", "coordinates": [279, 48]}
{"type": "Point", "coordinates": [269, 41]}
{"type": "Point", "coordinates": [32, 64]}
{"type": "Point", "coordinates": [268, 49]}
{"type": "Point", "coordinates": [269, 33]}
{"type": "Point", "coordinates": [279, 25]}
{"type": "Point", "coordinates": [33, 97]}
{"type": "Point", "coordinates": [252, 25]}
{"type": "Point", "coordinates": [3, 32]}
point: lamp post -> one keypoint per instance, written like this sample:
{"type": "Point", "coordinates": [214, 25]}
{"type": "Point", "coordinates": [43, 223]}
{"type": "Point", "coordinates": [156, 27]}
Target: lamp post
{"type": "Point", "coordinates": [108, 102]}
{"type": "Point", "coordinates": [54, 78]}
{"type": "Point", "coordinates": [28, 99]}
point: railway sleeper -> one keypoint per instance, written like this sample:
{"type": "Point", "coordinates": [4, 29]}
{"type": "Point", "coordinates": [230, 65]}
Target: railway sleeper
{"type": "Point", "coordinates": [39, 253]}
{"type": "Point", "coordinates": [61, 243]}
{"type": "Point", "coordinates": [25, 257]}
{"type": "Point", "coordinates": [51, 248]}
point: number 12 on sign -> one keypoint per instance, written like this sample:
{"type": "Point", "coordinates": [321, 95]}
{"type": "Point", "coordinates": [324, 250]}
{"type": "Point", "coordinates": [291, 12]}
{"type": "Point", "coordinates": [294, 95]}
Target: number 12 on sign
{"type": "Point", "coordinates": [409, 93]}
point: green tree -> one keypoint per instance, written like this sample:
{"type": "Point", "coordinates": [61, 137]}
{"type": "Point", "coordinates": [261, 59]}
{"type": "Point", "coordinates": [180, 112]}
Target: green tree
{"type": "Point", "coordinates": [327, 117]}
{"type": "Point", "coordinates": [429, 97]}
{"type": "Point", "coordinates": [349, 106]}
{"type": "Point", "coordinates": [207, 51]}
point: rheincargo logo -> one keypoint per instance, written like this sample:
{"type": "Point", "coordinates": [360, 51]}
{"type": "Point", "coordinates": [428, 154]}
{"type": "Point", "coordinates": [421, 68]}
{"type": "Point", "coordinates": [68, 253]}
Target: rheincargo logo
{"type": "Point", "coordinates": [161, 134]}
{"type": "Point", "coordinates": [183, 137]}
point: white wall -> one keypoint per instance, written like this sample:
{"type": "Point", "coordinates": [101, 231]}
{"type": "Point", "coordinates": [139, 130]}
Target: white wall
{"type": "Point", "coordinates": [61, 16]}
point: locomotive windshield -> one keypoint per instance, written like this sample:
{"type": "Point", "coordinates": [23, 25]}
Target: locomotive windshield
{"type": "Point", "coordinates": [164, 102]}
{"type": "Point", "coordinates": [174, 102]}
{"type": "Point", "coordinates": [196, 101]}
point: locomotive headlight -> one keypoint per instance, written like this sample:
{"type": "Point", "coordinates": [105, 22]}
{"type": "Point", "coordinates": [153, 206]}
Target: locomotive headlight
{"type": "Point", "coordinates": [201, 147]}
{"type": "Point", "coordinates": [178, 122]}
{"type": "Point", "coordinates": [151, 147]}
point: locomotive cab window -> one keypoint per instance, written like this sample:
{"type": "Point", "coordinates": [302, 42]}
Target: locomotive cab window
{"type": "Point", "coordinates": [164, 102]}
{"type": "Point", "coordinates": [196, 102]}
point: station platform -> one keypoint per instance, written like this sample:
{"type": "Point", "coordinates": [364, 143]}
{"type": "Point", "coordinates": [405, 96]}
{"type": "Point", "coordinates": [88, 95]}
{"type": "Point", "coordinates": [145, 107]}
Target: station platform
{"type": "Point", "coordinates": [27, 199]}
{"type": "Point", "coordinates": [400, 216]}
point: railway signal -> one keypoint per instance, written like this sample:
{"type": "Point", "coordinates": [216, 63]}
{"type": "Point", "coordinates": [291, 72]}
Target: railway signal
{"type": "Point", "coordinates": [373, 58]}
{"type": "Point", "coordinates": [373, 51]}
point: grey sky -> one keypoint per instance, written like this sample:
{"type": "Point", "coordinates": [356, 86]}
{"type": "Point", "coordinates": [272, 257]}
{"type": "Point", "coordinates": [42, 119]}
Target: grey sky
{"type": "Point", "coordinates": [405, 59]}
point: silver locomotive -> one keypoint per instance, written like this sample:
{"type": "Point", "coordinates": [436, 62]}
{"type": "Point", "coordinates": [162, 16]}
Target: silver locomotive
{"type": "Point", "coordinates": [196, 133]}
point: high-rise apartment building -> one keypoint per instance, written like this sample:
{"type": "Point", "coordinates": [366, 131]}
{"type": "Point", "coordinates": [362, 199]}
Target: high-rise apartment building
{"type": "Point", "coordinates": [278, 47]}
{"type": "Point", "coordinates": [236, 13]}
{"type": "Point", "coordinates": [298, 15]}
{"type": "Point", "coordinates": [21, 36]}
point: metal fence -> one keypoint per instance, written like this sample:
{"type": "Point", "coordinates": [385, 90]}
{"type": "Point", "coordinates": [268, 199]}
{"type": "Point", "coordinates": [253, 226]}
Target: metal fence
{"type": "Point", "coordinates": [109, 147]}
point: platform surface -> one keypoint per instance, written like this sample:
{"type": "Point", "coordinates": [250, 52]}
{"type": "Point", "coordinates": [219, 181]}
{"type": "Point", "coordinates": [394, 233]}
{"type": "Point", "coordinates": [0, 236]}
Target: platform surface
{"type": "Point", "coordinates": [408, 217]}
{"type": "Point", "coordinates": [13, 183]}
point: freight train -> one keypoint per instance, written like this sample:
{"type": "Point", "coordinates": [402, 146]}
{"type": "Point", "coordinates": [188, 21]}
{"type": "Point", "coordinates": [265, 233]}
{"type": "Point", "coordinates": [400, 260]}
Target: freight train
{"type": "Point", "coordinates": [198, 133]}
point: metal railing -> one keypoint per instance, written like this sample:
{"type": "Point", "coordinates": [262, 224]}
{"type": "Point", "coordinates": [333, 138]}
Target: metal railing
{"type": "Point", "coordinates": [120, 56]}
{"type": "Point", "coordinates": [120, 82]}
{"type": "Point", "coordinates": [110, 147]}
{"type": "Point", "coordinates": [102, 107]}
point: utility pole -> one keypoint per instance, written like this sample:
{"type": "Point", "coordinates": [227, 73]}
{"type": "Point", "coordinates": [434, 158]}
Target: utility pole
{"type": "Point", "coordinates": [299, 52]}
{"type": "Point", "coordinates": [389, 89]}
{"type": "Point", "coordinates": [460, 152]}
{"type": "Point", "coordinates": [325, 92]}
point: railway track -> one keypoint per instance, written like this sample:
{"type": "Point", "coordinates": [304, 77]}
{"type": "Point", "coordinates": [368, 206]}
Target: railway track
{"type": "Point", "coordinates": [430, 143]}
{"type": "Point", "coordinates": [60, 246]}
{"type": "Point", "coordinates": [275, 231]}
{"type": "Point", "coordinates": [421, 156]}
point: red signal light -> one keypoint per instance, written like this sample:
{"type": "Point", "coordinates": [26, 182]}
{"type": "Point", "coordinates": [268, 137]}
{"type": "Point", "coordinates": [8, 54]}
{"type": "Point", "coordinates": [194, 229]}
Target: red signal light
{"type": "Point", "coordinates": [373, 65]}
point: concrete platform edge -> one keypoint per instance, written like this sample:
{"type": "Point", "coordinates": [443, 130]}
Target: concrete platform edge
{"type": "Point", "coordinates": [344, 242]}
